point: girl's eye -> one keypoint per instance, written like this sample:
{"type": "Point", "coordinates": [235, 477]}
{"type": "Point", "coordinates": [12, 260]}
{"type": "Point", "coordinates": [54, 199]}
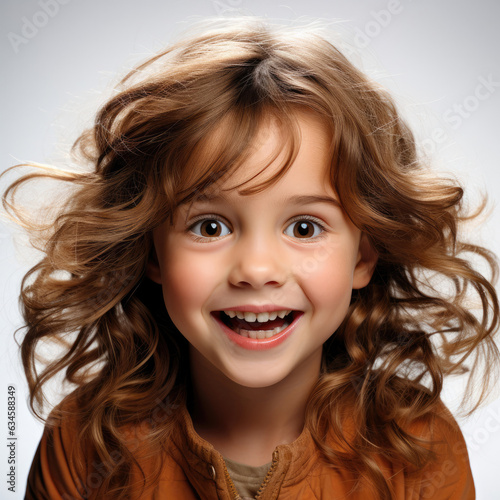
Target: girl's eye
{"type": "Point", "coordinates": [215, 228]}
{"type": "Point", "coordinates": [210, 228]}
{"type": "Point", "coordinates": [304, 229]}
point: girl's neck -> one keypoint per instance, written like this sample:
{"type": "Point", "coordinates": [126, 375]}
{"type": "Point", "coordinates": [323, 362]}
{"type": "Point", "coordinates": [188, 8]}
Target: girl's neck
{"type": "Point", "coordinates": [245, 424]}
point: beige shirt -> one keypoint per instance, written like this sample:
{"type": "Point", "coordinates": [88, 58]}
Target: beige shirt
{"type": "Point", "coordinates": [246, 478]}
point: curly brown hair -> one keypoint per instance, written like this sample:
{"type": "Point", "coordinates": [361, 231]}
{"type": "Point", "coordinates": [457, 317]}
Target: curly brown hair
{"type": "Point", "coordinates": [154, 146]}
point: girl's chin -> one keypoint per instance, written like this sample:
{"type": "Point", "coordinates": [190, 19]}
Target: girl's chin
{"type": "Point", "coordinates": [256, 373]}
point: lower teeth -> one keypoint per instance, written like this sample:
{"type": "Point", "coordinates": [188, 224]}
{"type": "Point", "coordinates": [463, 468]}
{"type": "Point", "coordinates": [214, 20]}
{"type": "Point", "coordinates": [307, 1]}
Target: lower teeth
{"type": "Point", "coordinates": [261, 334]}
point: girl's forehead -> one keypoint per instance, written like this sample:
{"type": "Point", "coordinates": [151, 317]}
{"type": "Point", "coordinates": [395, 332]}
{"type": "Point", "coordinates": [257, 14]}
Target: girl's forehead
{"type": "Point", "coordinates": [305, 146]}
{"type": "Point", "coordinates": [275, 157]}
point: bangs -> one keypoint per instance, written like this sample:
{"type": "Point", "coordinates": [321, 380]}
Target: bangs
{"type": "Point", "coordinates": [226, 148]}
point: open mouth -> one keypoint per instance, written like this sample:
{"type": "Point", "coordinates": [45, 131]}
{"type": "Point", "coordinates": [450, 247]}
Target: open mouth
{"type": "Point", "coordinates": [257, 325]}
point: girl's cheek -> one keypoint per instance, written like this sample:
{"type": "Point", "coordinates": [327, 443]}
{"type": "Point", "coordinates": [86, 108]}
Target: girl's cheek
{"type": "Point", "coordinates": [189, 279]}
{"type": "Point", "coordinates": [327, 278]}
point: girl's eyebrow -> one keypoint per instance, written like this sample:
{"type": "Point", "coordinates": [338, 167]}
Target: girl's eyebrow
{"type": "Point", "coordinates": [295, 200]}
{"type": "Point", "coordinates": [299, 199]}
{"type": "Point", "coordinates": [311, 198]}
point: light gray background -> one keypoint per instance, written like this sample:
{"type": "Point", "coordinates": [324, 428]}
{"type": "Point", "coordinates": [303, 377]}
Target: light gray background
{"type": "Point", "coordinates": [59, 58]}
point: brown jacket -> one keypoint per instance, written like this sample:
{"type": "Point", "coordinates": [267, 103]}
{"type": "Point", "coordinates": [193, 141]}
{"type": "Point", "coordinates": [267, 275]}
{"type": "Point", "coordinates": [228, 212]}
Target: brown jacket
{"type": "Point", "coordinates": [193, 469]}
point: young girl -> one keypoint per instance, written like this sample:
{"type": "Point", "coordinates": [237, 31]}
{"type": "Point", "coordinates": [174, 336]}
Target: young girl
{"type": "Point", "coordinates": [259, 287]}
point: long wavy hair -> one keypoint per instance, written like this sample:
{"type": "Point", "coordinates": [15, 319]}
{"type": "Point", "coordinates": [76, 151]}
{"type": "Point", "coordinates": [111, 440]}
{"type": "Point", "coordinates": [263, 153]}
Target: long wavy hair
{"type": "Point", "coordinates": [177, 125]}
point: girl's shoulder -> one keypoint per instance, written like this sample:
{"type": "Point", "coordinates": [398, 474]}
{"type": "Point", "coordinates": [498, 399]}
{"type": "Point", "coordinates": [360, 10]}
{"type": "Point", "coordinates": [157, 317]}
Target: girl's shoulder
{"type": "Point", "coordinates": [64, 463]}
{"type": "Point", "coordinates": [53, 469]}
{"type": "Point", "coordinates": [440, 431]}
{"type": "Point", "coordinates": [447, 474]}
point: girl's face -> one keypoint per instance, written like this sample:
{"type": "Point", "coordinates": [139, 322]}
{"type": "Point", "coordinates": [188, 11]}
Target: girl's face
{"type": "Point", "coordinates": [232, 265]}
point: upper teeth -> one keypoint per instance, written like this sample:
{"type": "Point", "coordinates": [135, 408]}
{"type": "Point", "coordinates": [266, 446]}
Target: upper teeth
{"type": "Point", "coordinates": [260, 317]}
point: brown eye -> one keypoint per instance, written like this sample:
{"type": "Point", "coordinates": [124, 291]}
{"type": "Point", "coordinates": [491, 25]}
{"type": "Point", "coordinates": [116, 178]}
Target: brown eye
{"type": "Point", "coordinates": [210, 228]}
{"type": "Point", "coordinates": [304, 229]}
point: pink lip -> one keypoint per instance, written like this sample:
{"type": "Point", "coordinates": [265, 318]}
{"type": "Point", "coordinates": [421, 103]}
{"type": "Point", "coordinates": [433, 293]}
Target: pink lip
{"type": "Point", "coordinates": [259, 344]}
{"type": "Point", "coordinates": [259, 309]}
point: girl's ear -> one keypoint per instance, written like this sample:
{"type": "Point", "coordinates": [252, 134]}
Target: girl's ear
{"type": "Point", "coordinates": [153, 267]}
{"type": "Point", "coordinates": [367, 260]}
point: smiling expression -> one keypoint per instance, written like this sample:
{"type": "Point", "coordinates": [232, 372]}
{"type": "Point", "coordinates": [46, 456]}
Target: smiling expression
{"type": "Point", "coordinates": [257, 283]}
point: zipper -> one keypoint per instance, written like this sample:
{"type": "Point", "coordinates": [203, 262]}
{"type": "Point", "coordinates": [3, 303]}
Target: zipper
{"type": "Point", "coordinates": [268, 475]}
{"type": "Point", "coordinates": [232, 487]}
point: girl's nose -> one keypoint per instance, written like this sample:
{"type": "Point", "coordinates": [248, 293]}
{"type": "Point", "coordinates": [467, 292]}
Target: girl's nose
{"type": "Point", "coordinates": [256, 264]}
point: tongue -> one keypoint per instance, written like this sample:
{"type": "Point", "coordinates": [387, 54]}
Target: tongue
{"type": "Point", "coordinates": [255, 325]}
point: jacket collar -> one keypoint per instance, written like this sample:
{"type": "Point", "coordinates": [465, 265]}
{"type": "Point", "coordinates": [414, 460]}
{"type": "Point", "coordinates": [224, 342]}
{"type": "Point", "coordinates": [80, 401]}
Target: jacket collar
{"type": "Point", "coordinates": [201, 462]}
